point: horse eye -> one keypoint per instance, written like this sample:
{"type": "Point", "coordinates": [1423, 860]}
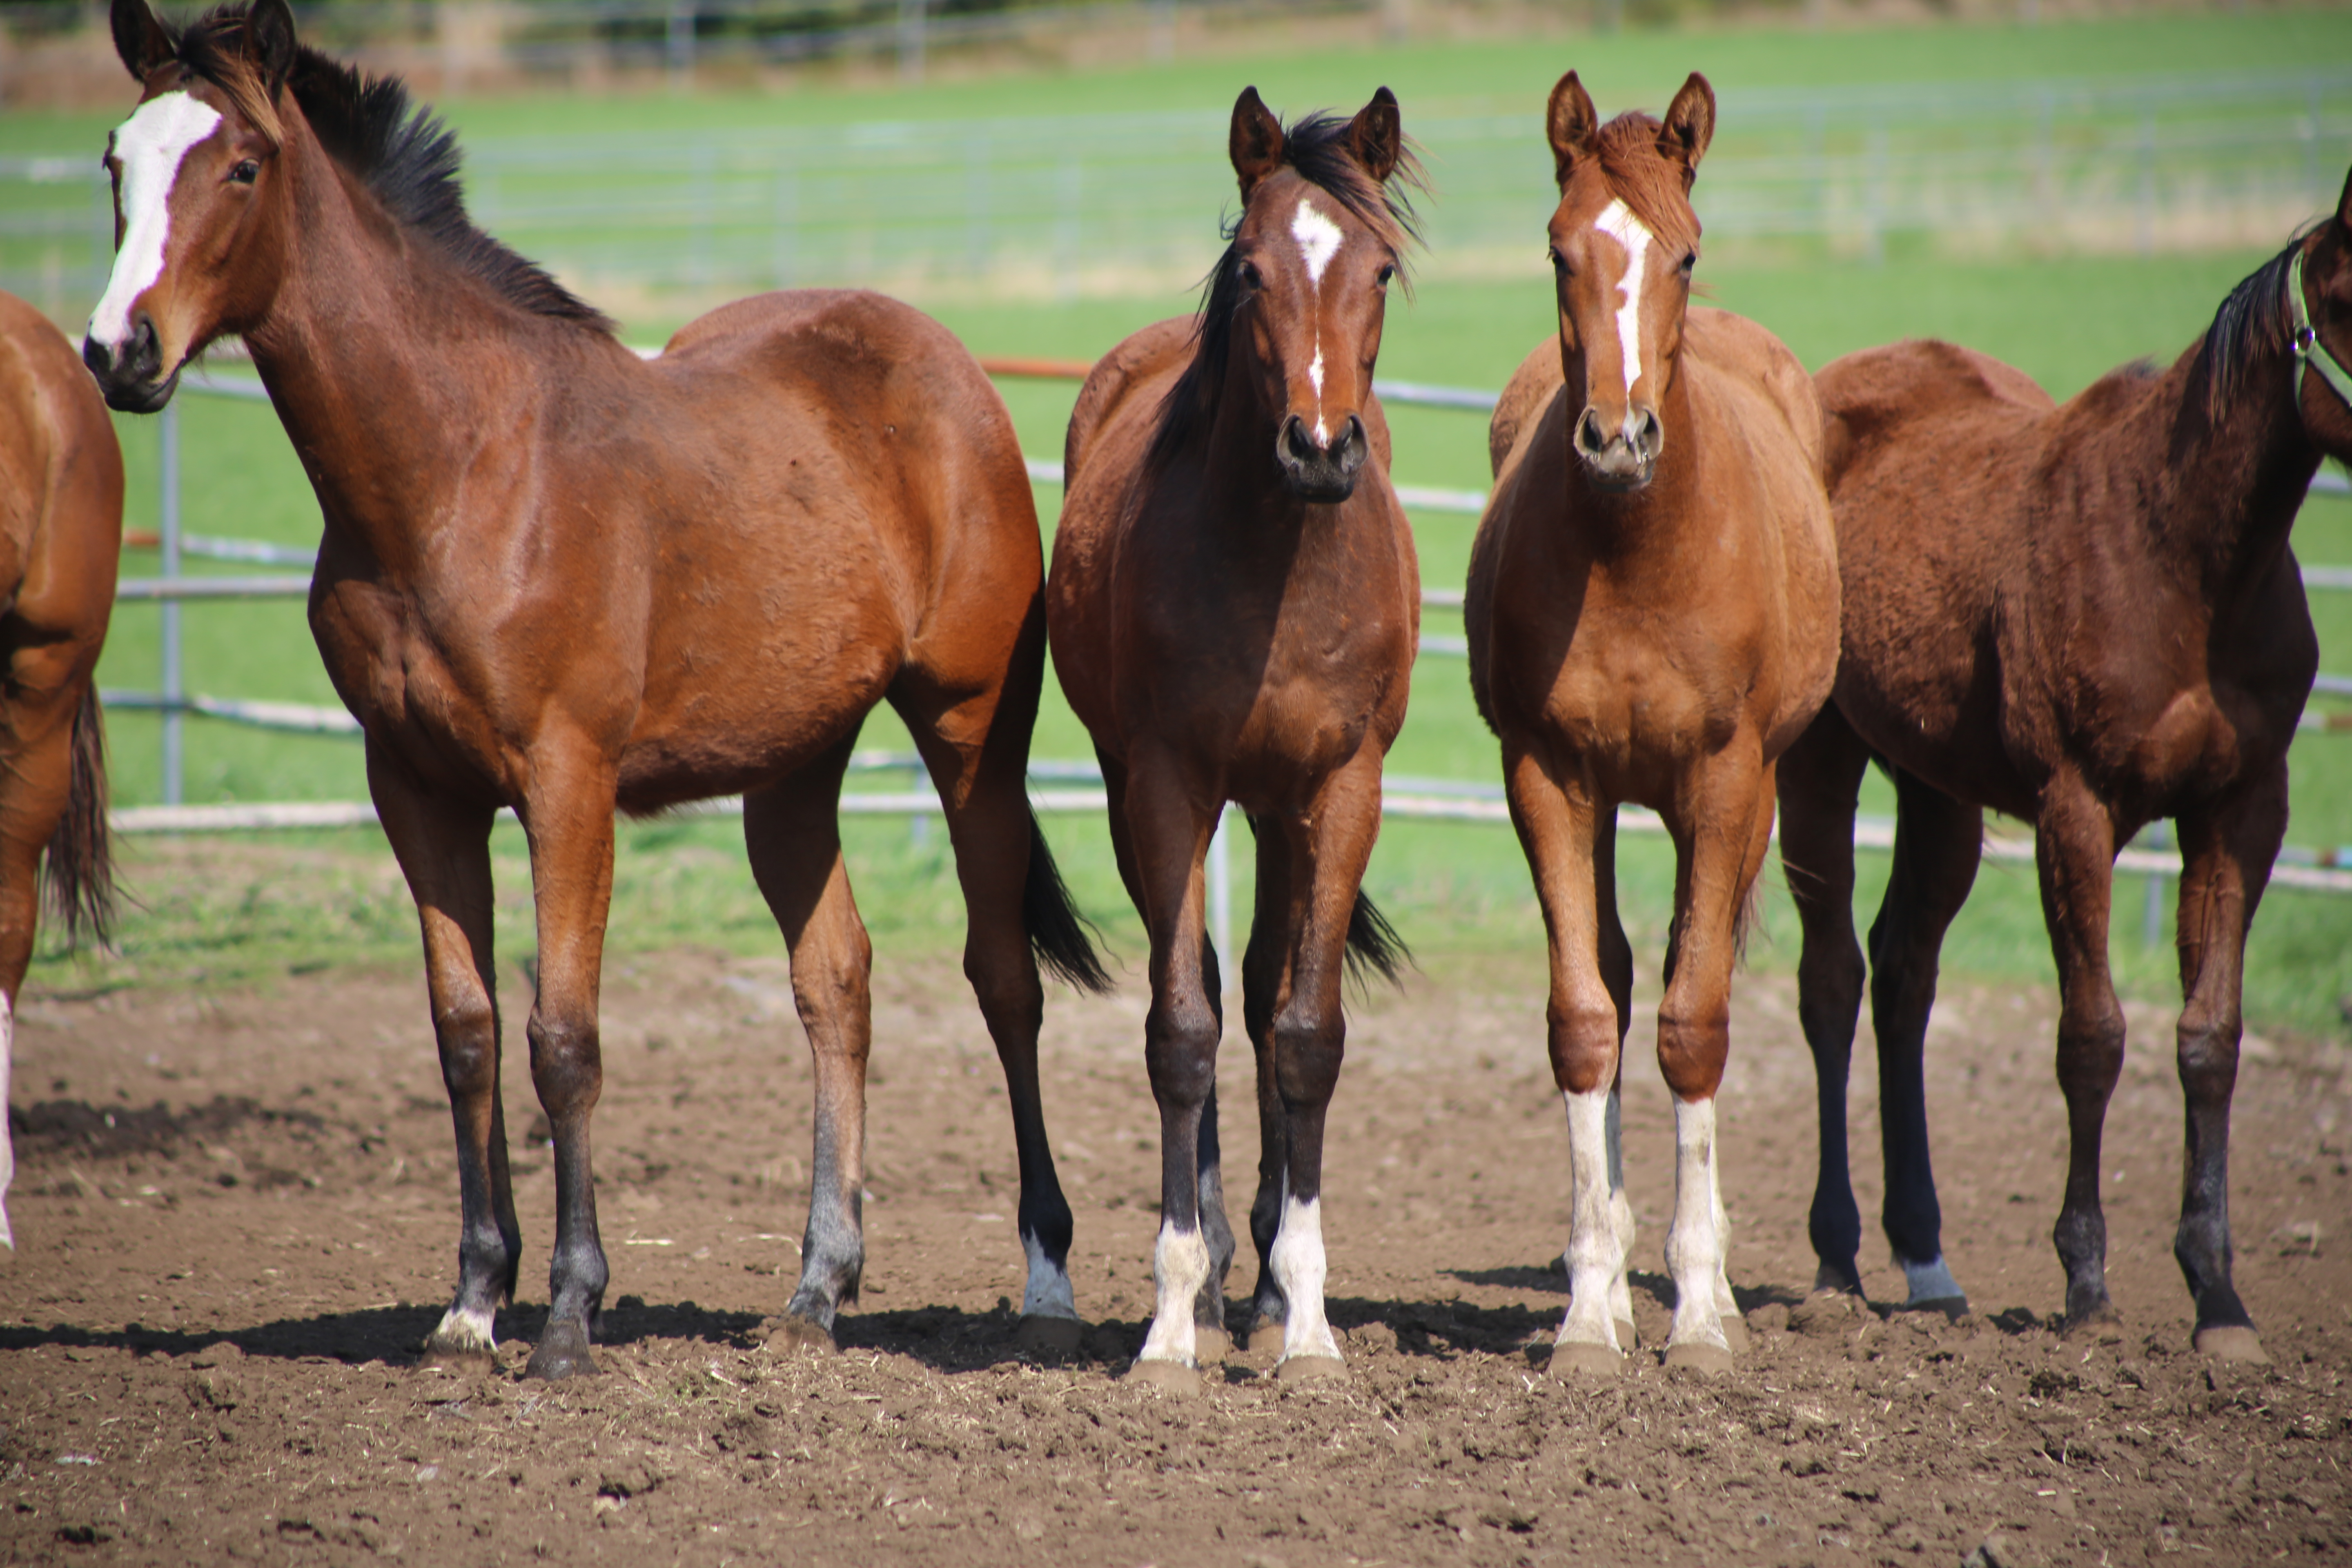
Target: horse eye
{"type": "Point", "coordinates": [1559, 262]}
{"type": "Point", "coordinates": [245, 173]}
{"type": "Point", "coordinates": [1690, 259]}
{"type": "Point", "coordinates": [1388, 273]}
{"type": "Point", "coordinates": [1249, 275]}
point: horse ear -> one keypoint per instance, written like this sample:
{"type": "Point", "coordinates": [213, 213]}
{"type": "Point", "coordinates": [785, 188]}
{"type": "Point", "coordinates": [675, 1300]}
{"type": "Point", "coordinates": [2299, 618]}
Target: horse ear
{"type": "Point", "coordinates": [1377, 134]}
{"type": "Point", "coordinates": [270, 39]}
{"type": "Point", "coordinates": [1255, 143]}
{"type": "Point", "coordinates": [1571, 122]}
{"type": "Point", "coordinates": [1689, 127]}
{"type": "Point", "coordinates": [139, 38]}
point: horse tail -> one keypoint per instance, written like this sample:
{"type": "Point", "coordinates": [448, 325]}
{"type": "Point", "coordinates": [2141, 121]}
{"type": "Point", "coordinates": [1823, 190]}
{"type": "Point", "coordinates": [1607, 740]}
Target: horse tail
{"type": "Point", "coordinates": [1373, 944]}
{"type": "Point", "coordinates": [1744, 921]}
{"type": "Point", "coordinates": [1058, 932]}
{"type": "Point", "coordinates": [77, 866]}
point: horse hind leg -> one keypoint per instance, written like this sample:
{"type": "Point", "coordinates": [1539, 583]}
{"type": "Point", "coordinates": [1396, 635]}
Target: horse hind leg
{"type": "Point", "coordinates": [1937, 844]}
{"type": "Point", "coordinates": [2226, 851]}
{"type": "Point", "coordinates": [1265, 980]}
{"type": "Point", "coordinates": [1616, 960]}
{"type": "Point", "coordinates": [1818, 781]}
{"type": "Point", "coordinates": [792, 832]}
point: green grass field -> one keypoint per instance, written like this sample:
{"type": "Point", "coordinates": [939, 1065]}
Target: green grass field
{"type": "Point", "coordinates": [1449, 887]}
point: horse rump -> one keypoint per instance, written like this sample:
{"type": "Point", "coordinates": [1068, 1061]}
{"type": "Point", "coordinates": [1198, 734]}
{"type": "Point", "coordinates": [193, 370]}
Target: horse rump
{"type": "Point", "coordinates": [77, 866]}
{"type": "Point", "coordinates": [1058, 932]}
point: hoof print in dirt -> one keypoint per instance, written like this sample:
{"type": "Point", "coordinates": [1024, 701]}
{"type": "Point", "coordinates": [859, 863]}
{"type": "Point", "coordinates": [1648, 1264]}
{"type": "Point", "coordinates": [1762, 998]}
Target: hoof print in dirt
{"type": "Point", "coordinates": [1168, 1376]}
{"type": "Point", "coordinates": [1049, 1336]}
{"type": "Point", "coordinates": [1703, 1359]}
{"type": "Point", "coordinates": [2230, 1342]}
{"type": "Point", "coordinates": [791, 1334]}
{"type": "Point", "coordinates": [1312, 1369]}
{"type": "Point", "coordinates": [1580, 1358]}
{"type": "Point", "coordinates": [1826, 1315]}
{"type": "Point", "coordinates": [562, 1353]}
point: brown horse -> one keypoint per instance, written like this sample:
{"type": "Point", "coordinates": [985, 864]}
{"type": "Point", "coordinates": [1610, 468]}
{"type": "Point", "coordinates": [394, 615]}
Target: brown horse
{"type": "Point", "coordinates": [60, 541]}
{"type": "Point", "coordinates": [2086, 616]}
{"type": "Point", "coordinates": [559, 578]}
{"type": "Point", "coordinates": [1652, 617]}
{"type": "Point", "coordinates": [1234, 604]}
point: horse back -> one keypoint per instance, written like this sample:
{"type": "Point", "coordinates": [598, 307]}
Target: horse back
{"type": "Point", "coordinates": [1882, 398]}
{"type": "Point", "coordinates": [1128, 382]}
{"type": "Point", "coordinates": [61, 483]}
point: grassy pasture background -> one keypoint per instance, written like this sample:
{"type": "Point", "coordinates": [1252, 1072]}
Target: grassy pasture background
{"type": "Point", "coordinates": [325, 899]}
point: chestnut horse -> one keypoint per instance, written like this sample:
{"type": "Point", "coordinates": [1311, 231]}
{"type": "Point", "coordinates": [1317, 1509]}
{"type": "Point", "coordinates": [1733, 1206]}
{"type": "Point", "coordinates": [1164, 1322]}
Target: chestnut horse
{"type": "Point", "coordinates": [1652, 617]}
{"type": "Point", "coordinates": [2086, 616]}
{"type": "Point", "coordinates": [560, 578]}
{"type": "Point", "coordinates": [1234, 607]}
{"type": "Point", "coordinates": [60, 541]}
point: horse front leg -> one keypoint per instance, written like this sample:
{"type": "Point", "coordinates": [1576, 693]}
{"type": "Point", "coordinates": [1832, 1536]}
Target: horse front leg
{"type": "Point", "coordinates": [1327, 851]}
{"type": "Point", "coordinates": [1719, 823]}
{"type": "Point", "coordinates": [568, 820]}
{"type": "Point", "coordinates": [793, 833]}
{"type": "Point", "coordinates": [1169, 822]}
{"type": "Point", "coordinates": [1266, 988]}
{"type": "Point", "coordinates": [2227, 850]}
{"type": "Point", "coordinates": [2074, 851]}
{"type": "Point", "coordinates": [36, 780]}
{"type": "Point", "coordinates": [1559, 824]}
{"type": "Point", "coordinates": [443, 850]}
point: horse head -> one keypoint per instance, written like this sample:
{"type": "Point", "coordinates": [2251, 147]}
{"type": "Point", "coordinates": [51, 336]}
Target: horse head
{"type": "Point", "coordinates": [197, 181]}
{"type": "Point", "coordinates": [2320, 315]}
{"type": "Point", "coordinates": [1623, 242]}
{"type": "Point", "coordinates": [1307, 274]}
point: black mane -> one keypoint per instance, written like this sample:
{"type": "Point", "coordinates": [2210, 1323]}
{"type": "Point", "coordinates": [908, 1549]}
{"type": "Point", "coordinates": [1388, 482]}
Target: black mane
{"type": "Point", "coordinates": [1318, 148]}
{"type": "Point", "coordinates": [402, 151]}
{"type": "Point", "coordinates": [2252, 321]}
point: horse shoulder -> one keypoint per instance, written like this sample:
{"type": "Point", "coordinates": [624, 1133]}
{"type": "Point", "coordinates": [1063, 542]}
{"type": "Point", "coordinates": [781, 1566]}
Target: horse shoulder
{"type": "Point", "coordinates": [61, 480]}
{"type": "Point", "coordinates": [1525, 396]}
{"type": "Point", "coordinates": [1524, 510]}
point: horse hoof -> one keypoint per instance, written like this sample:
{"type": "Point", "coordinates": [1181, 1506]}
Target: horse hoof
{"type": "Point", "coordinates": [1698, 1356]}
{"type": "Point", "coordinates": [1311, 1369]}
{"type": "Point", "coordinates": [561, 1352]}
{"type": "Point", "coordinates": [2103, 1325]}
{"type": "Point", "coordinates": [1583, 1356]}
{"type": "Point", "coordinates": [791, 1332]}
{"type": "Point", "coordinates": [458, 1356]}
{"type": "Point", "coordinates": [1824, 1314]}
{"type": "Point", "coordinates": [1624, 1327]}
{"type": "Point", "coordinates": [1210, 1346]}
{"type": "Point", "coordinates": [1951, 1308]}
{"type": "Point", "coordinates": [2231, 1342]}
{"type": "Point", "coordinates": [1734, 1332]}
{"type": "Point", "coordinates": [1046, 1336]}
{"type": "Point", "coordinates": [1168, 1376]}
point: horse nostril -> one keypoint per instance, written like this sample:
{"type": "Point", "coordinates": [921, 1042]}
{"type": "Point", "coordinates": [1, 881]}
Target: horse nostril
{"type": "Point", "coordinates": [1589, 434]}
{"type": "Point", "coordinates": [1651, 436]}
{"type": "Point", "coordinates": [1294, 438]}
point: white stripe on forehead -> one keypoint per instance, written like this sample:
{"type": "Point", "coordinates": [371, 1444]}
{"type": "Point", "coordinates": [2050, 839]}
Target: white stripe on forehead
{"type": "Point", "coordinates": [149, 146]}
{"type": "Point", "coordinates": [1318, 240]}
{"type": "Point", "coordinates": [1618, 222]}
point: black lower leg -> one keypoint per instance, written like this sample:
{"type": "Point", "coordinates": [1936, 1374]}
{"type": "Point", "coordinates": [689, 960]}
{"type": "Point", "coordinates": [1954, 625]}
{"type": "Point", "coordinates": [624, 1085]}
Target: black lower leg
{"type": "Point", "coordinates": [1209, 1311]}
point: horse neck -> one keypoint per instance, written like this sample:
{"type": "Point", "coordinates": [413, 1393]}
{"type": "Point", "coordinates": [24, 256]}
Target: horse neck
{"type": "Point", "coordinates": [2230, 487]}
{"type": "Point", "coordinates": [1250, 513]}
{"type": "Point", "coordinates": [366, 328]}
{"type": "Point", "coordinates": [1638, 529]}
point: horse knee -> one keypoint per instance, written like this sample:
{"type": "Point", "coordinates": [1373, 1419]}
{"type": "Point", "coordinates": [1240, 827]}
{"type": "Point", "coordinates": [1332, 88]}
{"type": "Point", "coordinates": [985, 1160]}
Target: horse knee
{"type": "Point", "coordinates": [567, 1065]}
{"type": "Point", "coordinates": [1583, 1043]}
{"type": "Point", "coordinates": [468, 1036]}
{"type": "Point", "coordinates": [1692, 1049]}
{"type": "Point", "coordinates": [1308, 1044]}
{"type": "Point", "coordinates": [2208, 1047]}
{"type": "Point", "coordinates": [2091, 1053]}
{"type": "Point", "coordinates": [1180, 1052]}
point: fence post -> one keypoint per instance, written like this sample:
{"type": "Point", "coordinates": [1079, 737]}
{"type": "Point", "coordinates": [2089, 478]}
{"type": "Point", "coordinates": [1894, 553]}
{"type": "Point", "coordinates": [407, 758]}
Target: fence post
{"type": "Point", "coordinates": [679, 40]}
{"type": "Point", "coordinates": [910, 40]}
{"type": "Point", "coordinates": [174, 720]}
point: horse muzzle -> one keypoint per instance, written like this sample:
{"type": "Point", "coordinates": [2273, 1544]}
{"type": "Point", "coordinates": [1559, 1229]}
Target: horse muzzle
{"type": "Point", "coordinates": [1621, 459]}
{"type": "Point", "coordinates": [131, 377]}
{"type": "Point", "coordinates": [1318, 471]}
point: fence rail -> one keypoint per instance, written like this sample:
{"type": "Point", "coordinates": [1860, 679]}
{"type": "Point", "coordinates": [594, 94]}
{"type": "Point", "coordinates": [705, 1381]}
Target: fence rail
{"type": "Point", "coordinates": [1069, 205]}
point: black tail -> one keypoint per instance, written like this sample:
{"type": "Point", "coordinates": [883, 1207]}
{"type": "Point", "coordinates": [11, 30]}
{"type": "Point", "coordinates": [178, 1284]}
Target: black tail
{"type": "Point", "coordinates": [1373, 943]}
{"type": "Point", "coordinates": [1058, 932]}
{"type": "Point", "coordinates": [78, 867]}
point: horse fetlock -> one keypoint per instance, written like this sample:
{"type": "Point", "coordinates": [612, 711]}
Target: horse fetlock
{"type": "Point", "coordinates": [1047, 1292]}
{"type": "Point", "coordinates": [467, 1332]}
{"type": "Point", "coordinates": [1180, 1265]}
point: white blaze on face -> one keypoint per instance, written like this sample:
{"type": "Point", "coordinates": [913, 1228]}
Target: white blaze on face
{"type": "Point", "coordinates": [150, 146]}
{"type": "Point", "coordinates": [1618, 222]}
{"type": "Point", "coordinates": [1319, 241]}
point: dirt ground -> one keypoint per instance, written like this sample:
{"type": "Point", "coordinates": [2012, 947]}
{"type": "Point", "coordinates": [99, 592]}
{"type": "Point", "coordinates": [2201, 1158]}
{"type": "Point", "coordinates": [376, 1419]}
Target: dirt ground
{"type": "Point", "coordinates": [235, 1214]}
